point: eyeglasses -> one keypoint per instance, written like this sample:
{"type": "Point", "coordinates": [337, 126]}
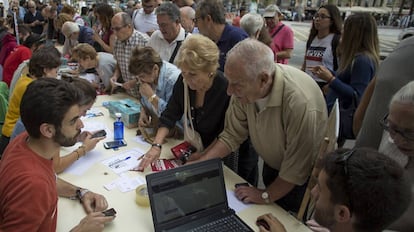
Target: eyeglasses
{"type": "Point", "coordinates": [118, 28]}
{"type": "Point", "coordinates": [385, 124]}
{"type": "Point", "coordinates": [321, 16]}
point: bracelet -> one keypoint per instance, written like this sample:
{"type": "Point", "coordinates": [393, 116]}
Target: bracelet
{"type": "Point", "coordinates": [152, 98]}
{"type": "Point", "coordinates": [80, 193]}
{"type": "Point", "coordinates": [83, 148]}
{"type": "Point", "coordinates": [156, 145]}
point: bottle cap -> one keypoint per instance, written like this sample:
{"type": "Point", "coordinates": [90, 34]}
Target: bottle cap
{"type": "Point", "coordinates": [118, 115]}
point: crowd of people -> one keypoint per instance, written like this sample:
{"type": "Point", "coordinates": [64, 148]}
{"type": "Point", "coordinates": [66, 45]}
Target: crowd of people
{"type": "Point", "coordinates": [226, 89]}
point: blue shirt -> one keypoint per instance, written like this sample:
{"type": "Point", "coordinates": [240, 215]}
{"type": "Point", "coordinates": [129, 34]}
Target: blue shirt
{"type": "Point", "coordinates": [354, 78]}
{"type": "Point", "coordinates": [166, 80]}
{"type": "Point", "coordinates": [85, 35]}
{"type": "Point", "coordinates": [231, 36]}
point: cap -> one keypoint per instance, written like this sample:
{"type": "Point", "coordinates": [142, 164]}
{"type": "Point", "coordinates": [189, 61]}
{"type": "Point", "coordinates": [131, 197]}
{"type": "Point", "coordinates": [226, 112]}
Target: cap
{"type": "Point", "coordinates": [270, 11]}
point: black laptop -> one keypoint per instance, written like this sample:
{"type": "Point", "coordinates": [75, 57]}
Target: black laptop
{"type": "Point", "coordinates": [192, 198]}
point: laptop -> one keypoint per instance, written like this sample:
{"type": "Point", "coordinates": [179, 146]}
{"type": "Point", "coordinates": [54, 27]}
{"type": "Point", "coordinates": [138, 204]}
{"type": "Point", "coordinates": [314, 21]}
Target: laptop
{"type": "Point", "coordinates": [192, 198]}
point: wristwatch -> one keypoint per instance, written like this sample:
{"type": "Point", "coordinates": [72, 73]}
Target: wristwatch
{"type": "Point", "coordinates": [80, 193]}
{"type": "Point", "coordinates": [265, 197]}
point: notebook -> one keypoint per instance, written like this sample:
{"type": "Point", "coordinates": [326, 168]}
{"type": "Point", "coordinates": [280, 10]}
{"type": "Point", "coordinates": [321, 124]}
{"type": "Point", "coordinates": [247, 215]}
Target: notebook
{"type": "Point", "coordinates": [191, 197]}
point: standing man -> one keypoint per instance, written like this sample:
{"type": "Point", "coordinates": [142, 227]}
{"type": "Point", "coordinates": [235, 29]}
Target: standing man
{"type": "Point", "coordinates": [127, 39]}
{"type": "Point", "coordinates": [168, 39]}
{"type": "Point", "coordinates": [284, 113]}
{"type": "Point", "coordinates": [144, 19]}
{"type": "Point", "coordinates": [187, 19]}
{"type": "Point", "coordinates": [29, 188]}
{"type": "Point", "coordinates": [282, 35]}
{"type": "Point", "coordinates": [211, 22]}
{"type": "Point", "coordinates": [34, 18]}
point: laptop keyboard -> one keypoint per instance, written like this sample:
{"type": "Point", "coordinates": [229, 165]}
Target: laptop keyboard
{"type": "Point", "coordinates": [230, 223]}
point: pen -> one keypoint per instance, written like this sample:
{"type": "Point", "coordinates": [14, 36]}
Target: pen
{"type": "Point", "coordinates": [119, 161]}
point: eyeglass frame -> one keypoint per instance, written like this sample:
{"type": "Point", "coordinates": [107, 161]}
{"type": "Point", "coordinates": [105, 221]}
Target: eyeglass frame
{"type": "Point", "coordinates": [321, 16]}
{"type": "Point", "coordinates": [344, 158]}
{"type": "Point", "coordinates": [384, 124]}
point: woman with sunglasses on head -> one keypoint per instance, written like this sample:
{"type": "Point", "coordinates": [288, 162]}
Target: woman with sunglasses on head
{"type": "Point", "coordinates": [322, 41]}
{"type": "Point", "coordinates": [358, 62]}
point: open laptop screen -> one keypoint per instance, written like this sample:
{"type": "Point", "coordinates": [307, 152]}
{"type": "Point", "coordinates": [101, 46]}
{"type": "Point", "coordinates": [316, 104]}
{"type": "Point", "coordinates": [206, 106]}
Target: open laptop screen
{"type": "Point", "coordinates": [187, 190]}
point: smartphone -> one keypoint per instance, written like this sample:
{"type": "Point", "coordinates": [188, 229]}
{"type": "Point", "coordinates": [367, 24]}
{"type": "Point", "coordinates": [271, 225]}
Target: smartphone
{"type": "Point", "coordinates": [263, 223]}
{"type": "Point", "coordinates": [100, 133]}
{"type": "Point", "coordinates": [114, 144]}
{"type": "Point", "coordinates": [109, 212]}
{"type": "Point", "coordinates": [241, 184]}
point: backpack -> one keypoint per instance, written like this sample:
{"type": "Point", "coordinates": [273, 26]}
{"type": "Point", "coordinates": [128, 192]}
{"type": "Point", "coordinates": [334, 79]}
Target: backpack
{"type": "Point", "coordinates": [334, 45]}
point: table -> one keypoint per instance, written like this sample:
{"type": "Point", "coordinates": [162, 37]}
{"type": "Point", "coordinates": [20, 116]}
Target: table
{"type": "Point", "coordinates": [130, 216]}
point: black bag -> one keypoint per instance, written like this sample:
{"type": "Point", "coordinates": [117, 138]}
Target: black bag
{"type": "Point", "coordinates": [346, 118]}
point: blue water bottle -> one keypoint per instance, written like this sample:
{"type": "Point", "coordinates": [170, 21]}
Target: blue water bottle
{"type": "Point", "coordinates": [118, 127]}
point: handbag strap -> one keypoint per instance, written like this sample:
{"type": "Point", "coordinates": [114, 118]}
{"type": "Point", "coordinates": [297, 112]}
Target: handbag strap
{"type": "Point", "coordinates": [189, 130]}
{"type": "Point", "coordinates": [277, 31]}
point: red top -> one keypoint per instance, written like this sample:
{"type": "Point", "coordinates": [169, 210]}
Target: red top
{"type": "Point", "coordinates": [16, 57]}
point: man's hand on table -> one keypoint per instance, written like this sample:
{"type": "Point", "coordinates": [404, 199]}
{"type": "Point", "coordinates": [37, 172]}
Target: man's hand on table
{"type": "Point", "coordinates": [94, 222]}
{"type": "Point", "coordinates": [249, 195]}
{"type": "Point", "coordinates": [93, 202]}
{"type": "Point", "coordinates": [274, 224]}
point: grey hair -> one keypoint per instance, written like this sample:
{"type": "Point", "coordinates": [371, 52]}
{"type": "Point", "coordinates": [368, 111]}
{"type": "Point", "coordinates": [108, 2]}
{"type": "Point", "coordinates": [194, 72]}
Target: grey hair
{"type": "Point", "coordinates": [188, 11]}
{"type": "Point", "coordinates": [405, 94]}
{"type": "Point", "coordinates": [170, 9]}
{"type": "Point", "coordinates": [250, 50]}
{"type": "Point", "coordinates": [126, 19]}
{"type": "Point", "coordinates": [251, 23]}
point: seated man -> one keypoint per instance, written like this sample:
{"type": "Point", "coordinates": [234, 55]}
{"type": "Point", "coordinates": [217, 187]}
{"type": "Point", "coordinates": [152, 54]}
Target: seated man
{"type": "Point", "coordinates": [357, 190]}
{"type": "Point", "coordinates": [29, 188]}
{"type": "Point", "coordinates": [398, 143]}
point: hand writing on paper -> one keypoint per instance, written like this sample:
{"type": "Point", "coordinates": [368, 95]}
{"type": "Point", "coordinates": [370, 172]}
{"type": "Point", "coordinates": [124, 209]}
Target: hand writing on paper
{"type": "Point", "coordinates": [151, 156]}
{"type": "Point", "coordinates": [274, 224]}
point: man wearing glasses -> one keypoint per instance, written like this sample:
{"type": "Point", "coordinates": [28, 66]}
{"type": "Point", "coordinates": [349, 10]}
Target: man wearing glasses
{"type": "Point", "coordinates": [145, 19]}
{"type": "Point", "coordinates": [398, 142]}
{"type": "Point", "coordinates": [127, 39]}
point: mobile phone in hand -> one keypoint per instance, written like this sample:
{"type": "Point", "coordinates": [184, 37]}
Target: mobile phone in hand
{"type": "Point", "coordinates": [241, 184]}
{"type": "Point", "coordinates": [263, 223]}
{"type": "Point", "coordinates": [98, 134]}
{"type": "Point", "coordinates": [109, 212]}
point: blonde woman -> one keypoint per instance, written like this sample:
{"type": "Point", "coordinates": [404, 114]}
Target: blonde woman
{"type": "Point", "coordinates": [198, 60]}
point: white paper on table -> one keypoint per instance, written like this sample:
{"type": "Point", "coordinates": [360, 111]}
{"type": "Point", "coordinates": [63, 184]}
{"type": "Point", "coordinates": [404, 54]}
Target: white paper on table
{"type": "Point", "coordinates": [235, 203]}
{"type": "Point", "coordinates": [125, 183]}
{"type": "Point", "coordinates": [80, 166]}
{"type": "Point", "coordinates": [139, 139]}
{"type": "Point", "coordinates": [94, 112]}
{"type": "Point", "coordinates": [124, 161]}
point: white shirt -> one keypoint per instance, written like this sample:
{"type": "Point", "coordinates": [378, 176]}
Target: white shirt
{"type": "Point", "coordinates": [319, 53]}
{"type": "Point", "coordinates": [161, 45]}
{"type": "Point", "coordinates": [144, 22]}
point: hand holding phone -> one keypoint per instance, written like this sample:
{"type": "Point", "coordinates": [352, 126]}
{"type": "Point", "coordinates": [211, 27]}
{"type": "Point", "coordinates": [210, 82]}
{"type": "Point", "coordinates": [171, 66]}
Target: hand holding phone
{"type": "Point", "coordinates": [98, 134]}
{"type": "Point", "coordinates": [109, 212]}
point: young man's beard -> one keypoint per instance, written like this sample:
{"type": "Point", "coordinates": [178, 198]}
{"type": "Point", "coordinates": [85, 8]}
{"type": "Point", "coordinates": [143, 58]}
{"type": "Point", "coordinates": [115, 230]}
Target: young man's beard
{"type": "Point", "coordinates": [64, 141]}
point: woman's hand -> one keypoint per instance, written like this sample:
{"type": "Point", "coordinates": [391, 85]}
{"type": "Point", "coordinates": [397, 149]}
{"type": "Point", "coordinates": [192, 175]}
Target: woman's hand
{"type": "Point", "coordinates": [146, 90]}
{"type": "Point", "coordinates": [152, 155]}
{"type": "Point", "coordinates": [129, 84]}
{"type": "Point", "coordinates": [144, 120]}
{"type": "Point", "coordinates": [322, 72]}
{"type": "Point", "coordinates": [96, 37]}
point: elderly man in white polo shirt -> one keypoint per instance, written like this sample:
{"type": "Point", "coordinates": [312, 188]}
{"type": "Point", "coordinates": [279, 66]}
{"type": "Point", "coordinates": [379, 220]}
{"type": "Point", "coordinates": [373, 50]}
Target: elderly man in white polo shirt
{"type": "Point", "coordinates": [167, 40]}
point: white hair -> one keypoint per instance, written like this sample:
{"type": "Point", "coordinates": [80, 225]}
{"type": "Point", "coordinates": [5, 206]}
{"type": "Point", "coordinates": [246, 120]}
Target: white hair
{"type": "Point", "coordinates": [405, 94]}
{"type": "Point", "coordinates": [253, 56]}
{"type": "Point", "coordinates": [251, 23]}
{"type": "Point", "coordinates": [68, 28]}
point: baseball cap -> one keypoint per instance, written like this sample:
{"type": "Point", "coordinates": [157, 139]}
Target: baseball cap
{"type": "Point", "coordinates": [271, 10]}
